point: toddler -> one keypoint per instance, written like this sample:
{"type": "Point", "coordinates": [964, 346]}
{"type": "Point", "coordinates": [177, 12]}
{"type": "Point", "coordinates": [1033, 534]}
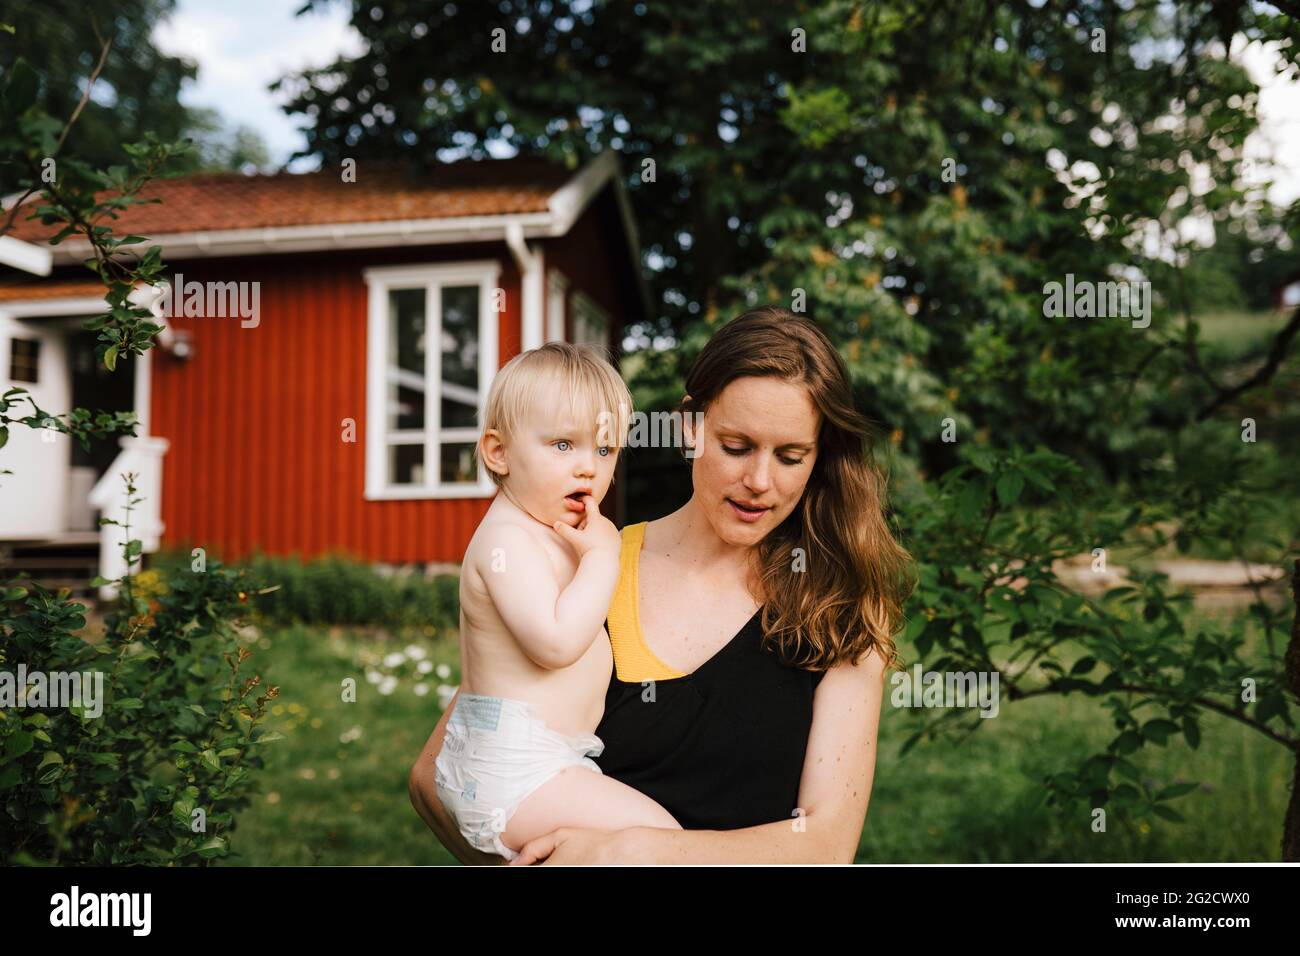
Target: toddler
{"type": "Point", "coordinates": [535, 587]}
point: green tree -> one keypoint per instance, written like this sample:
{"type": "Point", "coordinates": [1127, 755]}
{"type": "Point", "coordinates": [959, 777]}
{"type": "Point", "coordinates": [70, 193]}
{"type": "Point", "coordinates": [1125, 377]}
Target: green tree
{"type": "Point", "coordinates": [136, 87]}
{"type": "Point", "coordinates": [910, 184]}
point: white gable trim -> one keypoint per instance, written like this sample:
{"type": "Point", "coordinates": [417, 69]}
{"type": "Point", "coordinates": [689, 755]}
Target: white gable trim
{"type": "Point", "coordinates": [37, 260]}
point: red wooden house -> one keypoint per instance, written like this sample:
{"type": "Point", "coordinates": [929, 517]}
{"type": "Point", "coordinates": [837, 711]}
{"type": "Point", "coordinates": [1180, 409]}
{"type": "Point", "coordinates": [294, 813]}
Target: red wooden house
{"type": "Point", "coordinates": [304, 409]}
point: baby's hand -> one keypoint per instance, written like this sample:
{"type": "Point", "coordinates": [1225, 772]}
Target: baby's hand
{"type": "Point", "coordinates": [595, 531]}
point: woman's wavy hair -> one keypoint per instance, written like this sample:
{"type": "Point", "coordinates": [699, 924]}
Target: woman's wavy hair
{"type": "Point", "coordinates": [850, 597]}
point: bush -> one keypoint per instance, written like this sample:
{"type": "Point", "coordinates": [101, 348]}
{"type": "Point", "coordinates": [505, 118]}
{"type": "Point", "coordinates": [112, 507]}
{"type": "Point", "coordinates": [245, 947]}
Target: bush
{"type": "Point", "coordinates": [339, 590]}
{"type": "Point", "coordinates": [157, 775]}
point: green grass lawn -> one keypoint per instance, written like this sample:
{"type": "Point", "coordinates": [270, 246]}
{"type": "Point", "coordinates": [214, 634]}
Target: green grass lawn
{"type": "Point", "coordinates": [1237, 332]}
{"type": "Point", "coordinates": [334, 790]}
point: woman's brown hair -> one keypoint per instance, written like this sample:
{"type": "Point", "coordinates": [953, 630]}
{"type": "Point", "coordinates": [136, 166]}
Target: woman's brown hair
{"type": "Point", "coordinates": [850, 597]}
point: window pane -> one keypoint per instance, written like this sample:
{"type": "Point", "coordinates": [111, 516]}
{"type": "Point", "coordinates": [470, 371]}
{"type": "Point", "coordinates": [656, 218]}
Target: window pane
{"type": "Point", "coordinates": [406, 344]}
{"type": "Point", "coordinates": [24, 359]}
{"type": "Point", "coordinates": [460, 356]}
{"type": "Point", "coordinates": [458, 463]}
{"type": "Point", "coordinates": [406, 464]}
{"type": "Point", "coordinates": [588, 325]}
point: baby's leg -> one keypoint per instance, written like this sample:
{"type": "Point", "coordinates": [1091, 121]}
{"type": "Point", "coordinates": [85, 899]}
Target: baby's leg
{"type": "Point", "coordinates": [579, 797]}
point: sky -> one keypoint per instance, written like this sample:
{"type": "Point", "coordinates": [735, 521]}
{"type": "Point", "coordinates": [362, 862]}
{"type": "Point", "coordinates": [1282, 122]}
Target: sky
{"type": "Point", "coordinates": [243, 45]}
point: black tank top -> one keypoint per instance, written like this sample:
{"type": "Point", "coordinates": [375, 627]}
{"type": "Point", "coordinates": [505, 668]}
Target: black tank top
{"type": "Point", "coordinates": [720, 748]}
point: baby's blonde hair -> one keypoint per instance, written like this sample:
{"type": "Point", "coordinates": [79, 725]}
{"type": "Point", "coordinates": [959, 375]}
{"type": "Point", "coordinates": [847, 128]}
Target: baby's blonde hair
{"type": "Point", "coordinates": [544, 379]}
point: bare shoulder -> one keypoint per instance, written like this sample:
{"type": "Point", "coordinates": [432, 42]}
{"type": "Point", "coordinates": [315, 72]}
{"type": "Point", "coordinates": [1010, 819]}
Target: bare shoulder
{"type": "Point", "coordinates": [854, 679]}
{"type": "Point", "coordinates": [497, 538]}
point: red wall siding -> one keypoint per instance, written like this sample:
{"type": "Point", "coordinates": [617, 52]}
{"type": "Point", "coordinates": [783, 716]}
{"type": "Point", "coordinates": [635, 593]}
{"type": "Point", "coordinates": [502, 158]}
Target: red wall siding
{"type": "Point", "coordinates": [594, 257]}
{"type": "Point", "coordinates": [257, 461]}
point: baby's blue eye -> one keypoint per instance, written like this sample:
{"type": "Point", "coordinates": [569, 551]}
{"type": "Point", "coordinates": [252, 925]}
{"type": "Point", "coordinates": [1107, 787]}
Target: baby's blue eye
{"type": "Point", "coordinates": [559, 443]}
{"type": "Point", "coordinates": [604, 450]}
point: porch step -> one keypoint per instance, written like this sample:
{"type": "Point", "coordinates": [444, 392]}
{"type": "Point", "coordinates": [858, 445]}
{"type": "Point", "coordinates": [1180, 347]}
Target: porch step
{"type": "Point", "coordinates": [70, 561]}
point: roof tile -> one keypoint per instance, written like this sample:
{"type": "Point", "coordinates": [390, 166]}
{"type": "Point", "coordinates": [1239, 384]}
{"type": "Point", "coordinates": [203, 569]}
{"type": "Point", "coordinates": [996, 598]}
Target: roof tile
{"type": "Point", "coordinates": [383, 191]}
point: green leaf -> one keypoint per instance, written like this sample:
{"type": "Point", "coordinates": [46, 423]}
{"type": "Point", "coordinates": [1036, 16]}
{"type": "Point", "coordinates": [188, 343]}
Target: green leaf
{"type": "Point", "coordinates": [1128, 742]}
{"type": "Point", "coordinates": [1159, 730]}
{"type": "Point", "coordinates": [1037, 479]}
{"type": "Point", "coordinates": [128, 703]}
{"type": "Point", "coordinates": [22, 89]}
{"type": "Point", "coordinates": [1168, 813]}
{"type": "Point", "coordinates": [1009, 487]}
{"type": "Point", "coordinates": [1083, 665]}
{"type": "Point", "coordinates": [1176, 790]}
{"type": "Point", "coordinates": [1271, 704]}
{"type": "Point", "coordinates": [970, 500]}
{"type": "Point", "coordinates": [17, 745]}
{"type": "Point", "coordinates": [212, 847]}
{"type": "Point", "coordinates": [110, 358]}
{"type": "Point", "coordinates": [1192, 731]}
{"type": "Point", "coordinates": [997, 632]}
{"type": "Point", "coordinates": [210, 759]}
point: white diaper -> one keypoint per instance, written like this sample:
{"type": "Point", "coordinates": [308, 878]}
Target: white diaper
{"type": "Point", "coordinates": [495, 753]}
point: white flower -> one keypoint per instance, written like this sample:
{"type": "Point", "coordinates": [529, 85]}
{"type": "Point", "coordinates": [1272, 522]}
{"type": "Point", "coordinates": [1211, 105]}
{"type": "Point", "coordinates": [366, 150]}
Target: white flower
{"type": "Point", "coordinates": [424, 666]}
{"type": "Point", "coordinates": [373, 676]}
{"type": "Point", "coordinates": [415, 652]}
{"type": "Point", "coordinates": [444, 671]}
{"type": "Point", "coordinates": [388, 685]}
{"type": "Point", "coordinates": [421, 689]}
{"type": "Point", "coordinates": [394, 659]}
{"type": "Point", "coordinates": [349, 735]}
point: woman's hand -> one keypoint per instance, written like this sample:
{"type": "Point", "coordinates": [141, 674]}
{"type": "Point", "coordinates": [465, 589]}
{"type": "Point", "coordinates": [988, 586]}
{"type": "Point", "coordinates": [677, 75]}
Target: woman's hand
{"type": "Point", "coordinates": [574, 846]}
{"type": "Point", "coordinates": [424, 797]}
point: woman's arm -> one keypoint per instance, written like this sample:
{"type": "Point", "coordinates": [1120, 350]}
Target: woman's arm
{"type": "Point", "coordinates": [424, 797]}
{"type": "Point", "coordinates": [834, 790]}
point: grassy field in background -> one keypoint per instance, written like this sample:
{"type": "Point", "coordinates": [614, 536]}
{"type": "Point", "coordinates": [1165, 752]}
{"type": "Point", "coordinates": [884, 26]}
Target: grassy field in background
{"type": "Point", "coordinates": [334, 790]}
{"type": "Point", "coordinates": [1236, 332]}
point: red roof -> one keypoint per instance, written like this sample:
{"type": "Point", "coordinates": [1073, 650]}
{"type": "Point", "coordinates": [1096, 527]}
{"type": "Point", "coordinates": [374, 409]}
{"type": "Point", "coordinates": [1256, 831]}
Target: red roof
{"type": "Point", "coordinates": [22, 287]}
{"type": "Point", "coordinates": [200, 202]}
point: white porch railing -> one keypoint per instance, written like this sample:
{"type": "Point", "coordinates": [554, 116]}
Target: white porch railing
{"type": "Point", "coordinates": [144, 457]}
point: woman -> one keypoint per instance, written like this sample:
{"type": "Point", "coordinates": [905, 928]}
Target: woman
{"type": "Point", "coordinates": [751, 628]}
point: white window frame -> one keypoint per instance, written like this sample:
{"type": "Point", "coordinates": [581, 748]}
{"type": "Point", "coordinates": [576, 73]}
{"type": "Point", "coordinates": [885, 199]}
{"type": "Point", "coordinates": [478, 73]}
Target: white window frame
{"type": "Point", "coordinates": [432, 277]}
{"type": "Point", "coordinates": [586, 310]}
